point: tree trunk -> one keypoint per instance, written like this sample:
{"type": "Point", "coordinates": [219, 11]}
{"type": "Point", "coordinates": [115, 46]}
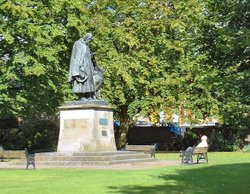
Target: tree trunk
{"type": "Point", "coordinates": [122, 132]}
{"type": "Point", "coordinates": [180, 114]}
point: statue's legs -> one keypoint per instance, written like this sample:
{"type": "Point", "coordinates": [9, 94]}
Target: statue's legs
{"type": "Point", "coordinates": [86, 96]}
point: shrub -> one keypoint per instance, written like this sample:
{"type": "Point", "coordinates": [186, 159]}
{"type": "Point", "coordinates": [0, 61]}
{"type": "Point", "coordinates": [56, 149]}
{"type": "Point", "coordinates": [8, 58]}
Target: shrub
{"type": "Point", "coordinates": [42, 134]}
{"type": "Point", "coordinates": [225, 139]}
{"type": "Point", "coordinates": [246, 148]}
{"type": "Point", "coordinates": [36, 134]}
{"type": "Point", "coordinates": [190, 139]}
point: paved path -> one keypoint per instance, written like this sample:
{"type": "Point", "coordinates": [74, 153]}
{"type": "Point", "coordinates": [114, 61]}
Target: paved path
{"type": "Point", "coordinates": [136, 166]}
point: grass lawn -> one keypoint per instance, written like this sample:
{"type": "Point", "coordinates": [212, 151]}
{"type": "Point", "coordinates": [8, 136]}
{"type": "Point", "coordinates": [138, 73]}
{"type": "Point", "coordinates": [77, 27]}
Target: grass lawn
{"type": "Point", "coordinates": [227, 173]}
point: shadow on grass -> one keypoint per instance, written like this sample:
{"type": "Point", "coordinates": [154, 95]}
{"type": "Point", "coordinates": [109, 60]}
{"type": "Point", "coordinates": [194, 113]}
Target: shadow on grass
{"type": "Point", "coordinates": [233, 178]}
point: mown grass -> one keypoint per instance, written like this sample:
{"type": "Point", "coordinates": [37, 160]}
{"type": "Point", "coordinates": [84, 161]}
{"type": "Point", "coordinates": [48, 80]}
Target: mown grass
{"type": "Point", "coordinates": [226, 173]}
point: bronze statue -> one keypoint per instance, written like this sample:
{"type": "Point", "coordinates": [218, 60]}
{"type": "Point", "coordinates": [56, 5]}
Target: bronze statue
{"type": "Point", "coordinates": [85, 75]}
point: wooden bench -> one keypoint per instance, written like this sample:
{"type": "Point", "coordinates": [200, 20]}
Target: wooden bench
{"type": "Point", "coordinates": [11, 154]}
{"type": "Point", "coordinates": [187, 156]}
{"type": "Point", "coordinates": [142, 148]}
{"type": "Point", "coordinates": [7, 155]}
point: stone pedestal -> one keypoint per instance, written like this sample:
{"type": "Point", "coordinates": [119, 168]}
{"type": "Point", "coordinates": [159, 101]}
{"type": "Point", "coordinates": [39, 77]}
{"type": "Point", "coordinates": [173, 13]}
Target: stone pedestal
{"type": "Point", "coordinates": [86, 128]}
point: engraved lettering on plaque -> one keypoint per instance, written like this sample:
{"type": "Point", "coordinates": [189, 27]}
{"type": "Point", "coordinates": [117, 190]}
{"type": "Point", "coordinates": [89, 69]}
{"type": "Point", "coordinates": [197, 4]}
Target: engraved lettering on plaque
{"type": "Point", "coordinates": [75, 123]}
{"type": "Point", "coordinates": [81, 123]}
{"type": "Point", "coordinates": [69, 124]}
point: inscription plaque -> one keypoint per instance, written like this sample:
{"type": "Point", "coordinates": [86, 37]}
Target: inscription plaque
{"type": "Point", "coordinates": [104, 133]}
{"type": "Point", "coordinates": [103, 121]}
{"type": "Point", "coordinates": [75, 123]}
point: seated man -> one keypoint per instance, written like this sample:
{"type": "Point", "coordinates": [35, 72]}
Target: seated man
{"type": "Point", "coordinates": [187, 155]}
{"type": "Point", "coordinates": [203, 142]}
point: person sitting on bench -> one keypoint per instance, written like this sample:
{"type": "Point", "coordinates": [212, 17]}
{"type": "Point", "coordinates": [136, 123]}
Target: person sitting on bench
{"type": "Point", "coordinates": [187, 155]}
{"type": "Point", "coordinates": [202, 144]}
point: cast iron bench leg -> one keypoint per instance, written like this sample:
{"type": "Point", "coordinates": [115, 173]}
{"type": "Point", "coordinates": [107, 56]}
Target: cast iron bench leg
{"type": "Point", "coordinates": [30, 159]}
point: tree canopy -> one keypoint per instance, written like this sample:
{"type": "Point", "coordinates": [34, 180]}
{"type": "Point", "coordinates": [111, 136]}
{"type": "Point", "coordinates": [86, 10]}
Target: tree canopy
{"type": "Point", "coordinates": [190, 55]}
{"type": "Point", "coordinates": [224, 39]}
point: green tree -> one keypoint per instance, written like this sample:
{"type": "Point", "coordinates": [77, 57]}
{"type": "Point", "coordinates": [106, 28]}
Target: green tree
{"type": "Point", "coordinates": [37, 36]}
{"type": "Point", "coordinates": [36, 39]}
{"type": "Point", "coordinates": [146, 49]}
{"type": "Point", "coordinates": [156, 54]}
{"type": "Point", "coordinates": [224, 37]}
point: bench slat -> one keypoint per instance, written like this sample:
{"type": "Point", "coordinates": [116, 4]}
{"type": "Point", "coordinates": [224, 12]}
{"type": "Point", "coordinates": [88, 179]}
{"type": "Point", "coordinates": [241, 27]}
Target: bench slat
{"type": "Point", "coordinates": [200, 150]}
{"type": "Point", "coordinates": [139, 147]}
{"type": "Point", "coordinates": [12, 154]}
{"type": "Point", "coordinates": [187, 156]}
{"type": "Point", "coordinates": [145, 148]}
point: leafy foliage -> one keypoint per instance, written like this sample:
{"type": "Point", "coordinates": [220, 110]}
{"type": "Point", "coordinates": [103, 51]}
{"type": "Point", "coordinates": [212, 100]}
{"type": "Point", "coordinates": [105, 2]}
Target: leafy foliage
{"type": "Point", "coordinates": [224, 37]}
{"type": "Point", "coordinates": [34, 34]}
{"type": "Point", "coordinates": [36, 134]}
{"type": "Point", "coordinates": [145, 49]}
{"type": "Point", "coordinates": [191, 55]}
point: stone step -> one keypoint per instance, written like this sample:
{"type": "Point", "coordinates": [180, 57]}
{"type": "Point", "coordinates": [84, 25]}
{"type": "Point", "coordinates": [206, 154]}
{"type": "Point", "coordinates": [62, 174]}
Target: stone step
{"type": "Point", "coordinates": [104, 153]}
{"type": "Point", "coordinates": [87, 153]}
{"type": "Point", "coordinates": [132, 161]}
{"type": "Point", "coordinates": [90, 158]}
{"type": "Point", "coordinates": [86, 163]}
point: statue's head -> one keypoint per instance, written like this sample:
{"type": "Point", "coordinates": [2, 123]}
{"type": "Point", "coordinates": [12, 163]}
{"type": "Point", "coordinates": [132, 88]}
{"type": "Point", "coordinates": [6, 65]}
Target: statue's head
{"type": "Point", "coordinates": [87, 37]}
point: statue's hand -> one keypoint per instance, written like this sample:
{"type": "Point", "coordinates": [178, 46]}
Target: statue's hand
{"type": "Point", "coordinates": [82, 75]}
{"type": "Point", "coordinates": [81, 79]}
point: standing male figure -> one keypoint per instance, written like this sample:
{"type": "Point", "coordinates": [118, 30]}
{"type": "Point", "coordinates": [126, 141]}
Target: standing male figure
{"type": "Point", "coordinates": [81, 72]}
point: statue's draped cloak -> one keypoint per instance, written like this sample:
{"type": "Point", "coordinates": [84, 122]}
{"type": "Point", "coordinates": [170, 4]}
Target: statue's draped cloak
{"type": "Point", "coordinates": [81, 64]}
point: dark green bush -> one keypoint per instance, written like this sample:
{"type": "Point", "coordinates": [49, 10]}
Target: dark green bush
{"type": "Point", "coordinates": [222, 138]}
{"type": "Point", "coordinates": [246, 148]}
{"type": "Point", "coordinates": [42, 134]}
{"type": "Point", "coordinates": [37, 134]}
{"type": "Point", "coordinates": [225, 139]}
{"type": "Point", "coordinates": [190, 139]}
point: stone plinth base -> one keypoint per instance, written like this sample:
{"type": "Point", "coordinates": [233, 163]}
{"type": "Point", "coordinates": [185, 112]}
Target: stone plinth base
{"type": "Point", "coordinates": [86, 128]}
